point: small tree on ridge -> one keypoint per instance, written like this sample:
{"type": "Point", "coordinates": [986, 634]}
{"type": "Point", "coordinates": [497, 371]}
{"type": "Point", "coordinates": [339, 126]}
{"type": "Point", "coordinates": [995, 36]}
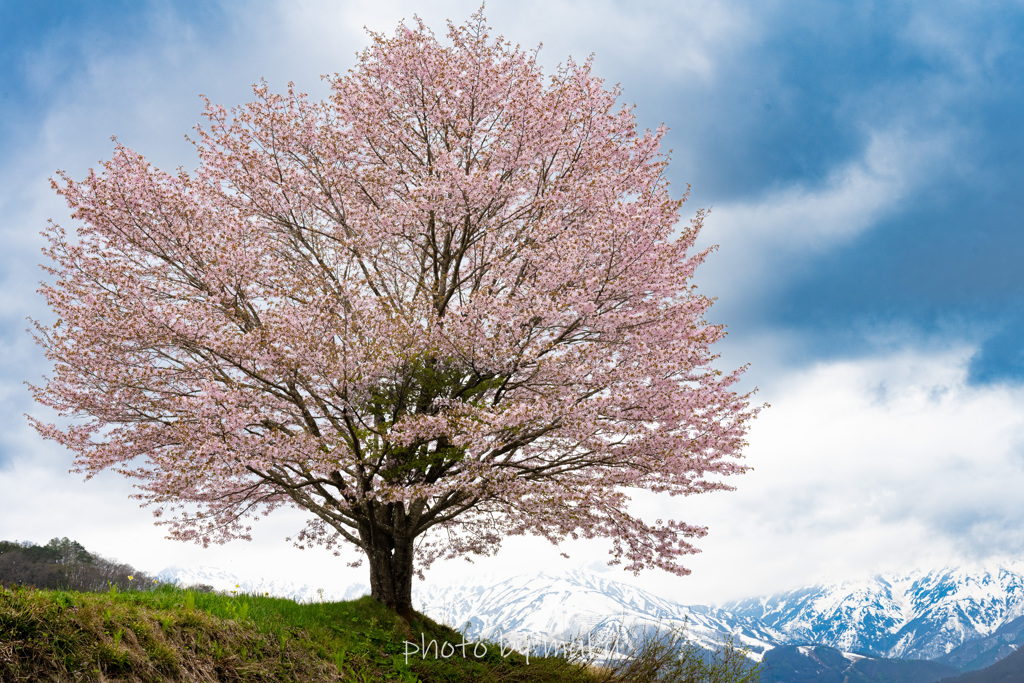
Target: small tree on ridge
{"type": "Point", "coordinates": [441, 307]}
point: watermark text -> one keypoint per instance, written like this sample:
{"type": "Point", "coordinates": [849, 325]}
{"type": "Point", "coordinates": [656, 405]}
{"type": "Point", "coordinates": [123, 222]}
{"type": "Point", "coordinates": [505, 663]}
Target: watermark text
{"type": "Point", "coordinates": [525, 645]}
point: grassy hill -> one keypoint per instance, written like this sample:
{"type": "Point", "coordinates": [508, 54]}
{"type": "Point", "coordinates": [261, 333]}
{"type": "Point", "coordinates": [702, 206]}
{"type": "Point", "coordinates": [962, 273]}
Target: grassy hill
{"type": "Point", "coordinates": [184, 635]}
{"type": "Point", "coordinates": [172, 634]}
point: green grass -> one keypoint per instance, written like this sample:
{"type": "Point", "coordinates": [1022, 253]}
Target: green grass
{"type": "Point", "coordinates": [170, 634]}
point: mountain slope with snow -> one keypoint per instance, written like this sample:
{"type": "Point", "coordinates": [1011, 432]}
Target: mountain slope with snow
{"type": "Point", "coordinates": [823, 664]}
{"type": "Point", "coordinates": [578, 607]}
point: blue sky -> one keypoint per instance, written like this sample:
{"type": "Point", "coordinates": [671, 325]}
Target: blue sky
{"type": "Point", "coordinates": [863, 165]}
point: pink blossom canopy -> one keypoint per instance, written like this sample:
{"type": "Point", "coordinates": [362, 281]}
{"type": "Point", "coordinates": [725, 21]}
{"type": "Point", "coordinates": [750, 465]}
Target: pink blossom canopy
{"type": "Point", "coordinates": [454, 292]}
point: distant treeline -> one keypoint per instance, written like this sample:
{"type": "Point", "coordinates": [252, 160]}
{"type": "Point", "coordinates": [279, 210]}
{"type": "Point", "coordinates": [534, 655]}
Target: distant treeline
{"type": "Point", "coordinates": [63, 564]}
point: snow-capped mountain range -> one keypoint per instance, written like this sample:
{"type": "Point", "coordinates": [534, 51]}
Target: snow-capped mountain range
{"type": "Point", "coordinates": [924, 615]}
{"type": "Point", "coordinates": [953, 615]}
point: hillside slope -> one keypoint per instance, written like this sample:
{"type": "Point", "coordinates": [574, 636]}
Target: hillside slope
{"type": "Point", "coordinates": [169, 634]}
{"type": "Point", "coordinates": [1010, 669]}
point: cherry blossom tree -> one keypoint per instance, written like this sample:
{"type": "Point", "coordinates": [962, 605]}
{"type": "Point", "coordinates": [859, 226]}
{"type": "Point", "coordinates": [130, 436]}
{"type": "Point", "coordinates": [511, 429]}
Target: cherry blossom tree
{"type": "Point", "coordinates": [450, 303]}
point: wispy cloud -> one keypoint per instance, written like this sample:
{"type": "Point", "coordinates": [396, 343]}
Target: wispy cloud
{"type": "Point", "coordinates": [763, 237]}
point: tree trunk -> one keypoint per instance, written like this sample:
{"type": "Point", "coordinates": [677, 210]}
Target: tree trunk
{"type": "Point", "coordinates": [390, 557]}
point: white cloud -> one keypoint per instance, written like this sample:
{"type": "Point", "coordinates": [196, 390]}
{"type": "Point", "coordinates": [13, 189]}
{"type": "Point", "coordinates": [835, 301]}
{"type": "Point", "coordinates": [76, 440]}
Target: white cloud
{"type": "Point", "coordinates": [864, 466]}
{"type": "Point", "coordinates": [955, 34]}
{"type": "Point", "coordinates": [40, 500]}
{"type": "Point", "coordinates": [668, 41]}
{"type": "Point", "coordinates": [851, 200]}
{"type": "Point", "coordinates": [632, 40]}
{"type": "Point", "coordinates": [761, 241]}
